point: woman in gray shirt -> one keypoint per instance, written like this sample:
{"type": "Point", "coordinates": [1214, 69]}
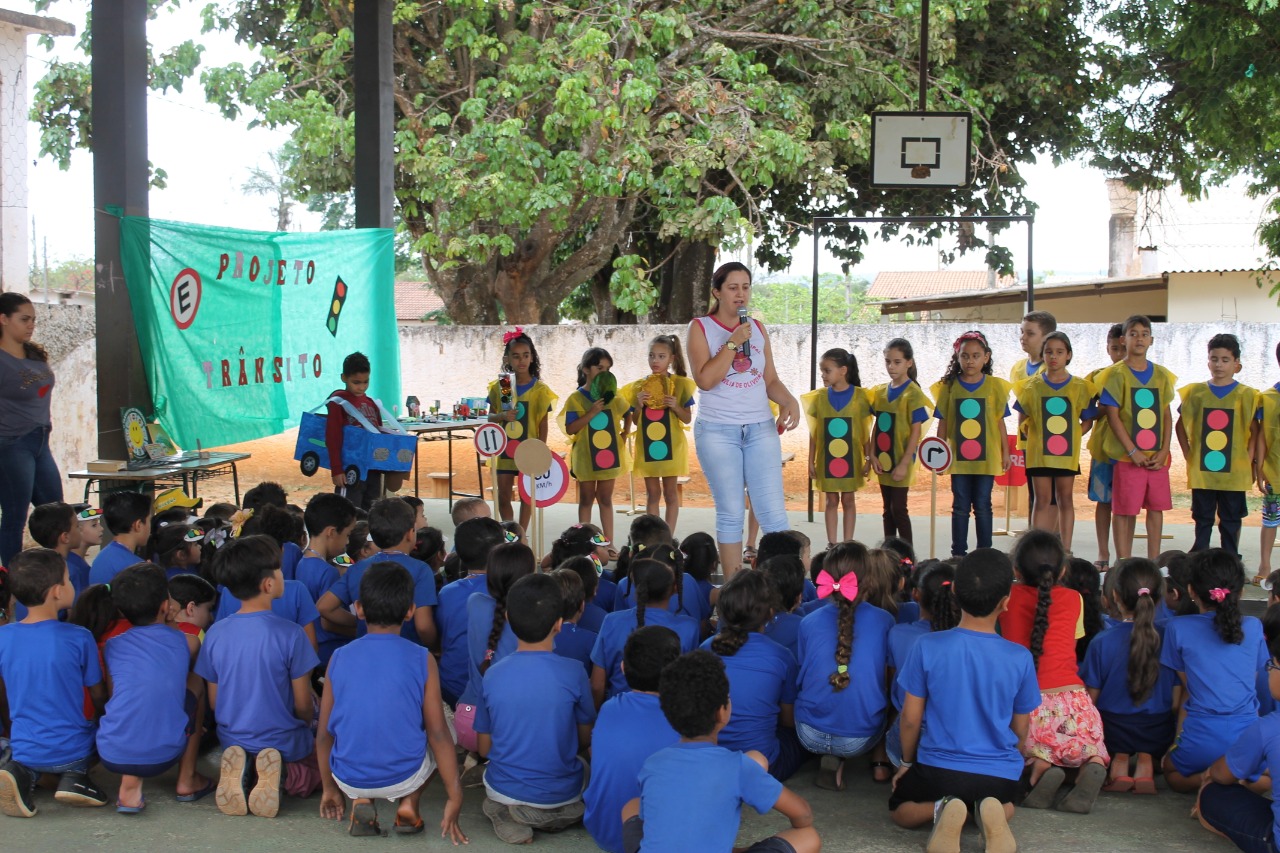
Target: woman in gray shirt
{"type": "Point", "coordinates": [28, 473]}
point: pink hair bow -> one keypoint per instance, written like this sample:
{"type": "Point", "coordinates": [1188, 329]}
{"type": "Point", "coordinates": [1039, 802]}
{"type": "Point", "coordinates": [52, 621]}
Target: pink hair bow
{"type": "Point", "coordinates": [1218, 594]}
{"type": "Point", "coordinates": [846, 586]}
{"type": "Point", "coordinates": [970, 336]}
{"type": "Point", "coordinates": [1143, 591]}
{"type": "Point", "coordinates": [508, 337]}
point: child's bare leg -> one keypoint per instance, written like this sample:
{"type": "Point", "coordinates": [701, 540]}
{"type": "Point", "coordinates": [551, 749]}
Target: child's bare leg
{"type": "Point", "coordinates": [1038, 768]}
{"type": "Point", "coordinates": [506, 482]}
{"type": "Point", "coordinates": [526, 515]}
{"type": "Point", "coordinates": [652, 495]}
{"type": "Point", "coordinates": [1267, 541]}
{"type": "Point", "coordinates": [805, 840]}
{"type": "Point", "coordinates": [849, 503]}
{"type": "Point", "coordinates": [831, 515]}
{"type": "Point", "coordinates": [671, 497]}
{"type": "Point", "coordinates": [586, 497]}
{"type": "Point", "coordinates": [392, 481]}
{"type": "Point", "coordinates": [1102, 526]}
{"type": "Point", "coordinates": [1120, 766]}
{"type": "Point", "coordinates": [130, 793]}
{"type": "Point", "coordinates": [912, 815]}
{"type": "Point", "coordinates": [604, 499]}
{"type": "Point", "coordinates": [1064, 488]}
{"type": "Point", "coordinates": [408, 813]}
{"type": "Point", "coordinates": [1143, 766]}
{"type": "Point", "coordinates": [1155, 530]}
{"type": "Point", "coordinates": [1176, 781]}
{"type": "Point", "coordinates": [190, 781]}
{"type": "Point", "coordinates": [1123, 527]}
{"type": "Point", "coordinates": [1044, 516]}
{"type": "Point", "coordinates": [753, 526]}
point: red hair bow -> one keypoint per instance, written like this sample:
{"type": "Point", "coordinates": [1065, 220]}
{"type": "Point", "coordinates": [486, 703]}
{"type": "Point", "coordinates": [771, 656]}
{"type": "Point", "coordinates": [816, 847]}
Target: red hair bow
{"type": "Point", "coordinates": [508, 337]}
{"type": "Point", "coordinates": [846, 586]}
{"type": "Point", "coordinates": [971, 336]}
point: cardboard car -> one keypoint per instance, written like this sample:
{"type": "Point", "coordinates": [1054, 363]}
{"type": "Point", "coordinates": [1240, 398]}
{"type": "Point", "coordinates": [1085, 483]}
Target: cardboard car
{"type": "Point", "coordinates": [365, 448]}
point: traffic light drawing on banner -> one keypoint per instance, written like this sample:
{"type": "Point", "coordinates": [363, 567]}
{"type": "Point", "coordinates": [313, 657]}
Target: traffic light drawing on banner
{"type": "Point", "coordinates": [516, 430]}
{"type": "Point", "coordinates": [604, 442]}
{"type": "Point", "coordinates": [1146, 419]}
{"type": "Point", "coordinates": [883, 440]}
{"type": "Point", "coordinates": [838, 449]}
{"type": "Point", "coordinates": [1215, 443]}
{"type": "Point", "coordinates": [655, 437]}
{"type": "Point", "coordinates": [1055, 413]}
{"type": "Point", "coordinates": [971, 426]}
{"type": "Point", "coordinates": [335, 306]}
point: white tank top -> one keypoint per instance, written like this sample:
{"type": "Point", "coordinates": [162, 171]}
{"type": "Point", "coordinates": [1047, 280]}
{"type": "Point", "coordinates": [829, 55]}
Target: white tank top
{"type": "Point", "coordinates": [740, 398]}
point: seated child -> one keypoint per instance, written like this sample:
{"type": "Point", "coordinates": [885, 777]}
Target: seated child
{"type": "Point", "coordinates": [534, 716]}
{"type": "Point", "coordinates": [382, 731]}
{"type": "Point", "coordinates": [592, 614]}
{"type": "Point", "coordinates": [294, 605]}
{"type": "Point", "coordinates": [968, 699]}
{"type": "Point", "coordinates": [473, 540]}
{"type": "Point", "coordinates": [468, 508]}
{"type": "Point", "coordinates": [154, 716]}
{"type": "Point", "coordinates": [762, 676]}
{"type": "Point", "coordinates": [176, 548]}
{"type": "Point", "coordinates": [329, 520]}
{"type": "Point", "coordinates": [786, 573]}
{"type": "Point", "coordinates": [583, 540]}
{"type": "Point", "coordinates": [54, 526]}
{"type": "Point", "coordinates": [572, 641]}
{"type": "Point", "coordinates": [258, 667]}
{"type": "Point", "coordinates": [691, 794]}
{"type": "Point", "coordinates": [45, 666]}
{"type": "Point", "coordinates": [90, 523]}
{"type": "Point", "coordinates": [128, 517]}
{"type": "Point", "coordinates": [701, 561]}
{"type": "Point", "coordinates": [191, 600]}
{"type": "Point", "coordinates": [630, 728]}
{"type": "Point", "coordinates": [654, 584]}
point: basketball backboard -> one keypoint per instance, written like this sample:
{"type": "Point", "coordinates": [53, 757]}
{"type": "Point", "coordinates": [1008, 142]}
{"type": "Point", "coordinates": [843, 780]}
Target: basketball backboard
{"type": "Point", "coordinates": [914, 149]}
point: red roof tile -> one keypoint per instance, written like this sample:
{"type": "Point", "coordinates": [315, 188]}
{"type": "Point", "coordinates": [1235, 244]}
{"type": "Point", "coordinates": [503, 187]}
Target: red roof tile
{"type": "Point", "coordinates": [414, 300]}
{"type": "Point", "coordinates": [910, 285]}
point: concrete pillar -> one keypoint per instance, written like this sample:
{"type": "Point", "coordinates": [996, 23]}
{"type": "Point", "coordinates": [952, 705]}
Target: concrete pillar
{"type": "Point", "coordinates": [1122, 257]}
{"type": "Point", "coordinates": [375, 115]}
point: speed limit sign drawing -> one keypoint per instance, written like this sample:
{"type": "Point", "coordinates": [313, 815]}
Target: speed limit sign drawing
{"type": "Point", "coordinates": [550, 487]}
{"type": "Point", "coordinates": [491, 440]}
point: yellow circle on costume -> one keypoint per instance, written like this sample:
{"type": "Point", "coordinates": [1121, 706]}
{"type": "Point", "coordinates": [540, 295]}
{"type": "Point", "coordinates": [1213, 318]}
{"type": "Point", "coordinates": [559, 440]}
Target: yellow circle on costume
{"type": "Point", "coordinates": [656, 431]}
{"type": "Point", "coordinates": [1216, 440]}
{"type": "Point", "coordinates": [601, 439]}
{"type": "Point", "coordinates": [515, 429]}
{"type": "Point", "coordinates": [1056, 425]}
{"type": "Point", "coordinates": [838, 448]}
{"type": "Point", "coordinates": [1146, 419]}
{"type": "Point", "coordinates": [970, 429]}
{"type": "Point", "coordinates": [886, 462]}
{"type": "Point", "coordinates": [337, 306]}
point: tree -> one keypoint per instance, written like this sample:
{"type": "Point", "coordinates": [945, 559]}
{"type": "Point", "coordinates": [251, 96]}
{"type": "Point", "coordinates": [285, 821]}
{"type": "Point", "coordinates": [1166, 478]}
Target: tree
{"type": "Point", "coordinates": [275, 183]}
{"type": "Point", "coordinates": [841, 300]}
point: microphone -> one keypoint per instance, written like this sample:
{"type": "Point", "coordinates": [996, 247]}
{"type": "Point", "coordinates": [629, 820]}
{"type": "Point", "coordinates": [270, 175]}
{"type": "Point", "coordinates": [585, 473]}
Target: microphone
{"type": "Point", "coordinates": [745, 349]}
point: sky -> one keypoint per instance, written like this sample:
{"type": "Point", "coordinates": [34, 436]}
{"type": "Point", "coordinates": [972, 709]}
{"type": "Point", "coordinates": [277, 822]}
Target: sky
{"type": "Point", "coordinates": [209, 158]}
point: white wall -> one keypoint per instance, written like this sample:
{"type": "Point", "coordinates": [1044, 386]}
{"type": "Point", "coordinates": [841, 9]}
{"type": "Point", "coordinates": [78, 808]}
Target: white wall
{"type": "Point", "coordinates": [14, 239]}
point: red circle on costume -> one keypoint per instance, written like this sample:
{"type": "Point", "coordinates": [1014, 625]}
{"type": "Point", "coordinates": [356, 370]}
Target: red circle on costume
{"type": "Point", "coordinates": [1145, 439]}
{"type": "Point", "coordinates": [510, 452]}
{"type": "Point", "coordinates": [653, 414]}
{"type": "Point", "coordinates": [605, 459]}
{"type": "Point", "coordinates": [839, 468]}
{"type": "Point", "coordinates": [971, 449]}
{"type": "Point", "coordinates": [1217, 419]}
{"type": "Point", "coordinates": [883, 441]}
{"type": "Point", "coordinates": [1057, 445]}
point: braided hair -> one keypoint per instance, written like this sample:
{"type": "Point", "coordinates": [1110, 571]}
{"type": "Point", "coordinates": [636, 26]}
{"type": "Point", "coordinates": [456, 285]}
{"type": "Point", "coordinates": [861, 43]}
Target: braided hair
{"type": "Point", "coordinates": [653, 584]}
{"type": "Point", "coordinates": [507, 564]}
{"type": "Point", "coordinates": [1038, 558]}
{"type": "Point", "coordinates": [937, 597]}
{"type": "Point", "coordinates": [745, 607]}
{"type": "Point", "coordinates": [1217, 578]}
{"type": "Point", "coordinates": [845, 558]}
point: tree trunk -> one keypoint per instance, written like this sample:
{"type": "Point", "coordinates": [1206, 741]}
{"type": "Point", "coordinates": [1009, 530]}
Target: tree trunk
{"type": "Point", "coordinates": [686, 284]}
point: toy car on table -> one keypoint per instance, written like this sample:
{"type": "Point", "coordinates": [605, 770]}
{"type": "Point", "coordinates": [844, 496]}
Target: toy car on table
{"type": "Point", "coordinates": [364, 447]}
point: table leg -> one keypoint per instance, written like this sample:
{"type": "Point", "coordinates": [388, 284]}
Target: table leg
{"type": "Point", "coordinates": [415, 467]}
{"type": "Point", "coordinates": [88, 484]}
{"type": "Point", "coordinates": [448, 437]}
{"type": "Point", "coordinates": [235, 482]}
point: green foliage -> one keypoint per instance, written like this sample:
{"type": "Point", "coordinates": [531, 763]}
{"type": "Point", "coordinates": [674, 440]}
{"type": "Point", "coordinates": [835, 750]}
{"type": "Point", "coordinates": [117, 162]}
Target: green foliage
{"type": "Point", "coordinates": [841, 300]}
{"type": "Point", "coordinates": [72, 275]}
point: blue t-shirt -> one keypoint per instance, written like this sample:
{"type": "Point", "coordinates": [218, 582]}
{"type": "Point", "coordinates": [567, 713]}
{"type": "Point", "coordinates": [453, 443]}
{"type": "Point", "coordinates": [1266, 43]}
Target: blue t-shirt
{"type": "Point", "coordinates": [1254, 753]}
{"type": "Point", "coordinates": [617, 627]}
{"type": "Point", "coordinates": [859, 709]}
{"type": "Point", "coordinates": [784, 629]}
{"type": "Point", "coordinates": [451, 623]}
{"type": "Point", "coordinates": [480, 608]}
{"type": "Point", "coordinates": [908, 612]}
{"type": "Point", "coordinates": [347, 589]}
{"type": "Point", "coordinates": [317, 575]}
{"type": "Point", "coordinates": [79, 570]}
{"type": "Point", "coordinates": [973, 684]}
{"type": "Point", "coordinates": [704, 590]}
{"type": "Point", "coordinates": [631, 727]}
{"type": "Point", "coordinates": [689, 602]}
{"type": "Point", "coordinates": [762, 678]}
{"type": "Point", "coordinates": [1106, 669]}
{"type": "Point", "coordinates": [290, 556]}
{"type": "Point", "coordinates": [592, 617]}
{"type": "Point", "coordinates": [901, 638]}
{"type": "Point", "coordinates": [146, 717]}
{"type": "Point", "coordinates": [576, 643]}
{"type": "Point", "coordinates": [1220, 676]}
{"type": "Point", "coordinates": [810, 606]}
{"type": "Point", "coordinates": [691, 796]}
{"type": "Point", "coordinates": [295, 605]}
{"type": "Point", "coordinates": [604, 594]}
{"type": "Point", "coordinates": [378, 684]}
{"type": "Point", "coordinates": [253, 659]}
{"type": "Point", "coordinates": [918, 416]}
{"type": "Point", "coordinates": [111, 561]}
{"type": "Point", "coordinates": [810, 592]}
{"type": "Point", "coordinates": [1143, 376]}
{"type": "Point", "coordinates": [839, 399]}
{"type": "Point", "coordinates": [532, 704]}
{"type": "Point", "coordinates": [45, 667]}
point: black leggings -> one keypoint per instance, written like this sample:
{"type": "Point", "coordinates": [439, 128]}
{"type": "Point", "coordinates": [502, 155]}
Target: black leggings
{"type": "Point", "coordinates": [896, 521]}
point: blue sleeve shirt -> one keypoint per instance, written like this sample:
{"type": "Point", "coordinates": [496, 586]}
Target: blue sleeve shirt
{"type": "Point", "coordinates": [111, 561]}
{"type": "Point", "coordinates": [45, 667]}
{"type": "Point", "coordinates": [617, 627]}
{"type": "Point", "coordinates": [1254, 753]}
{"type": "Point", "coordinates": [575, 643]}
{"type": "Point", "coordinates": [317, 575]}
{"type": "Point", "coordinates": [146, 719]}
{"type": "Point", "coordinates": [858, 710]}
{"type": "Point", "coordinates": [347, 589]}
{"type": "Point", "coordinates": [294, 606]}
{"type": "Point", "coordinates": [1106, 669]}
{"type": "Point", "coordinates": [689, 602]}
{"type": "Point", "coordinates": [784, 629]}
{"type": "Point", "coordinates": [451, 622]}
{"type": "Point", "coordinates": [480, 609]}
{"type": "Point", "coordinates": [901, 638]}
{"type": "Point", "coordinates": [1220, 676]}
{"type": "Point", "coordinates": [78, 570]}
{"type": "Point", "coordinates": [762, 678]}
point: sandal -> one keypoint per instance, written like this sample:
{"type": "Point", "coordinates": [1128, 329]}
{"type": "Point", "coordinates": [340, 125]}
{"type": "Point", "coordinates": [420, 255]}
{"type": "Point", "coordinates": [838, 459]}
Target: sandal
{"type": "Point", "coordinates": [1119, 785]}
{"type": "Point", "coordinates": [403, 827]}
{"type": "Point", "coordinates": [882, 765]}
{"type": "Point", "coordinates": [364, 821]}
{"type": "Point", "coordinates": [829, 776]}
{"type": "Point", "coordinates": [1144, 785]}
{"type": "Point", "coordinates": [749, 555]}
{"type": "Point", "coordinates": [1102, 565]}
{"type": "Point", "coordinates": [121, 808]}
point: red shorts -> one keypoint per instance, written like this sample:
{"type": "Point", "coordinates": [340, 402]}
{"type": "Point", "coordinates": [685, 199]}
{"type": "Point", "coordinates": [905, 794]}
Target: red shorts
{"type": "Point", "coordinates": [1134, 488]}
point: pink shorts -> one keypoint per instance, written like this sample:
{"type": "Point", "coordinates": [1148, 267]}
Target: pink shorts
{"type": "Point", "coordinates": [1134, 488]}
{"type": "Point", "coordinates": [464, 724]}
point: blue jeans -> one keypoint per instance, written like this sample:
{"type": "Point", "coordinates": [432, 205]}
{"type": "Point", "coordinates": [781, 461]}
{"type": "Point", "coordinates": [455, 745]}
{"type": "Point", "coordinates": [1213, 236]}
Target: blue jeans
{"type": "Point", "coordinates": [732, 456]}
{"type": "Point", "coordinates": [970, 492]}
{"type": "Point", "coordinates": [1241, 815]}
{"type": "Point", "coordinates": [28, 475]}
{"type": "Point", "coordinates": [823, 743]}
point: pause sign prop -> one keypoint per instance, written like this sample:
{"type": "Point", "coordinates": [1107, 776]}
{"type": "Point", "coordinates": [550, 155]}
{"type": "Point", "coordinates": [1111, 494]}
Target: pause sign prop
{"type": "Point", "coordinates": [491, 440]}
{"type": "Point", "coordinates": [935, 454]}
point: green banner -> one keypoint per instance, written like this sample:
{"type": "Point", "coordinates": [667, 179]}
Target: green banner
{"type": "Point", "coordinates": [243, 331]}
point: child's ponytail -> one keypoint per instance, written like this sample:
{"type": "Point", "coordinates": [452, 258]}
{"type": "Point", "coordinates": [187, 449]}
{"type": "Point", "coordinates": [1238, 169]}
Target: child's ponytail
{"type": "Point", "coordinates": [1217, 578]}
{"type": "Point", "coordinates": [903, 346]}
{"type": "Point", "coordinates": [95, 610]}
{"type": "Point", "coordinates": [937, 597]}
{"type": "Point", "coordinates": [672, 343]}
{"type": "Point", "coordinates": [839, 577]}
{"type": "Point", "coordinates": [507, 563]}
{"type": "Point", "coordinates": [745, 607]}
{"type": "Point", "coordinates": [652, 581]}
{"type": "Point", "coordinates": [1038, 558]}
{"type": "Point", "coordinates": [142, 591]}
{"type": "Point", "coordinates": [1138, 587]}
{"type": "Point", "coordinates": [670, 557]}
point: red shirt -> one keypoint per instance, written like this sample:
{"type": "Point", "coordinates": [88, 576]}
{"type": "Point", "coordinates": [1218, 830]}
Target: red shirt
{"type": "Point", "coordinates": [114, 629]}
{"type": "Point", "coordinates": [1057, 665]}
{"type": "Point", "coordinates": [338, 418]}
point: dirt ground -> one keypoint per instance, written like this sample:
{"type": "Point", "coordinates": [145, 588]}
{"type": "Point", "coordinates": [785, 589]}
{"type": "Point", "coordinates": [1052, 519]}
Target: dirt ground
{"type": "Point", "coordinates": [273, 460]}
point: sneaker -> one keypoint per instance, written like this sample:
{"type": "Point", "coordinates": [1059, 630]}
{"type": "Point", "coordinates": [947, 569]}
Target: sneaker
{"type": "Point", "coordinates": [77, 789]}
{"type": "Point", "coordinates": [17, 789]}
{"type": "Point", "coordinates": [504, 826]}
{"type": "Point", "coordinates": [994, 827]}
{"type": "Point", "coordinates": [949, 815]}
{"type": "Point", "coordinates": [549, 820]}
{"type": "Point", "coordinates": [230, 796]}
{"type": "Point", "coordinates": [264, 799]}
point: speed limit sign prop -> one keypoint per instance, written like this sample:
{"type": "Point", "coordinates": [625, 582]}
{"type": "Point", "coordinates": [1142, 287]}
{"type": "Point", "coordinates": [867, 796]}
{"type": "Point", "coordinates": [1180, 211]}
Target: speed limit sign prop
{"type": "Point", "coordinates": [491, 440]}
{"type": "Point", "coordinates": [548, 487]}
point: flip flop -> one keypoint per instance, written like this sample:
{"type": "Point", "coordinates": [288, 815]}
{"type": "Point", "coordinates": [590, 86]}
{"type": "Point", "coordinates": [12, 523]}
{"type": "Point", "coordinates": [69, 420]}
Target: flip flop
{"type": "Point", "coordinates": [402, 828]}
{"type": "Point", "coordinates": [1144, 785]}
{"type": "Point", "coordinates": [882, 765]}
{"type": "Point", "coordinates": [364, 821]}
{"type": "Point", "coordinates": [197, 796]}
{"type": "Point", "coordinates": [121, 808]}
{"type": "Point", "coordinates": [1119, 785]}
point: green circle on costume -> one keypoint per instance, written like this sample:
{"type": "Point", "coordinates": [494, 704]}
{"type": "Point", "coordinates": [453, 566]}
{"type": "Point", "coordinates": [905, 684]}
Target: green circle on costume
{"type": "Point", "coordinates": [1055, 405]}
{"type": "Point", "coordinates": [1214, 461]}
{"type": "Point", "coordinates": [600, 421]}
{"type": "Point", "coordinates": [884, 421]}
{"type": "Point", "coordinates": [837, 427]}
{"type": "Point", "coordinates": [1144, 398]}
{"type": "Point", "coordinates": [970, 408]}
{"type": "Point", "coordinates": [658, 450]}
